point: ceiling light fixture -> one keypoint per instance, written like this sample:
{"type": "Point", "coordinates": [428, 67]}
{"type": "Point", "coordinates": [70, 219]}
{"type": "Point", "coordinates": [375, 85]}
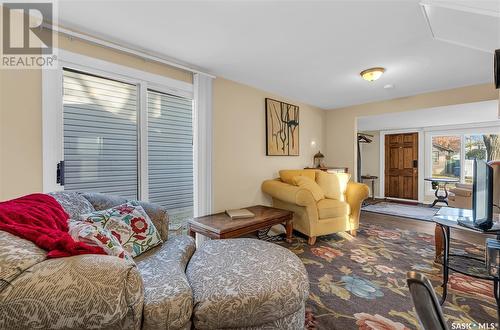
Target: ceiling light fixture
{"type": "Point", "coordinates": [372, 74]}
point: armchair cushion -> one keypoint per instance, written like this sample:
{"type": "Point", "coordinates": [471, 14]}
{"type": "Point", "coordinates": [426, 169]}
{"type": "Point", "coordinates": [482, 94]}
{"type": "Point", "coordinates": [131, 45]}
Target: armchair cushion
{"type": "Point", "coordinates": [288, 175]}
{"type": "Point", "coordinates": [288, 193]}
{"type": "Point", "coordinates": [332, 208]}
{"type": "Point", "coordinates": [311, 185]}
{"type": "Point", "coordinates": [334, 185]}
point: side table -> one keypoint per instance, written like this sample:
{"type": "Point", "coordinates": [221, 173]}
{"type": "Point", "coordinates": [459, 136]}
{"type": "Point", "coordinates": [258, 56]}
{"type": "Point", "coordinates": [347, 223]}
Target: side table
{"type": "Point", "coordinates": [441, 184]}
{"type": "Point", "coordinates": [473, 266]}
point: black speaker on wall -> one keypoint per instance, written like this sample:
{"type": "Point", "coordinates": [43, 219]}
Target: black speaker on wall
{"type": "Point", "coordinates": [497, 68]}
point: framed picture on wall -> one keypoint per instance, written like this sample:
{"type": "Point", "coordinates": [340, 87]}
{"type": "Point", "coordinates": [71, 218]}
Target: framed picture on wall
{"type": "Point", "coordinates": [282, 128]}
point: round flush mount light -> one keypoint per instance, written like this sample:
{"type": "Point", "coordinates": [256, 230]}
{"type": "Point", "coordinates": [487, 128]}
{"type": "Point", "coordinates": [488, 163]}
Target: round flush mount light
{"type": "Point", "coordinates": [372, 74]}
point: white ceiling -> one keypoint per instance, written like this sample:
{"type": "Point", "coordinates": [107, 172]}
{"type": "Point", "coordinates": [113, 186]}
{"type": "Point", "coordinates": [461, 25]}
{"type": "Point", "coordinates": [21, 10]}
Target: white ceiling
{"type": "Point", "coordinates": [309, 51]}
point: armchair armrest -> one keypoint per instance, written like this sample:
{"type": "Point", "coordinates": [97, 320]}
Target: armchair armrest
{"type": "Point", "coordinates": [288, 193]}
{"type": "Point", "coordinates": [80, 292]}
{"type": "Point", "coordinates": [355, 194]}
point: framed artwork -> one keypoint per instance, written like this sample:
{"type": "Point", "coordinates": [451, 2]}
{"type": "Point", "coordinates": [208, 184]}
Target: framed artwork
{"type": "Point", "coordinates": [282, 128]}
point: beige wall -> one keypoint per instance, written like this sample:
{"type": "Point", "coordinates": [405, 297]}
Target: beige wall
{"type": "Point", "coordinates": [341, 123]}
{"type": "Point", "coordinates": [370, 156]}
{"type": "Point", "coordinates": [239, 131]}
{"type": "Point", "coordinates": [20, 133]}
{"type": "Point", "coordinates": [21, 116]}
{"type": "Point", "coordinates": [240, 161]}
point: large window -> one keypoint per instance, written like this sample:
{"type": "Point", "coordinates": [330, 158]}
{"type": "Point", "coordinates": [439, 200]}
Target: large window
{"type": "Point", "coordinates": [104, 123]}
{"type": "Point", "coordinates": [100, 135]}
{"type": "Point", "coordinates": [170, 144]}
{"type": "Point", "coordinates": [446, 156]}
{"type": "Point", "coordinates": [452, 156]}
{"type": "Point", "coordinates": [480, 146]}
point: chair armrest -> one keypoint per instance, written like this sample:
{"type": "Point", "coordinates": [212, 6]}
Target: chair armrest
{"type": "Point", "coordinates": [288, 193]}
{"type": "Point", "coordinates": [355, 194]}
{"type": "Point", "coordinates": [79, 292]}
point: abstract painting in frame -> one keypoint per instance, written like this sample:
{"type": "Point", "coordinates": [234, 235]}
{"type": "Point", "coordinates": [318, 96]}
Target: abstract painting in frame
{"type": "Point", "coordinates": [282, 128]}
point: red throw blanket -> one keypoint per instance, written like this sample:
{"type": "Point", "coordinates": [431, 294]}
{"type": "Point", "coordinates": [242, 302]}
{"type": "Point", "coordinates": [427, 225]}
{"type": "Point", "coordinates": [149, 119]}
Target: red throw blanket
{"type": "Point", "coordinates": [41, 219]}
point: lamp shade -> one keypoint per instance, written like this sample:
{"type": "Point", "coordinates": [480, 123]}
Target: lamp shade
{"type": "Point", "coordinates": [319, 155]}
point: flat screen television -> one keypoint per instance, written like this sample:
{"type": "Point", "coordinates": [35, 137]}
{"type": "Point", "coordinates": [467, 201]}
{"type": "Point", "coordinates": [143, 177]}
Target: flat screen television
{"type": "Point", "coordinates": [482, 195]}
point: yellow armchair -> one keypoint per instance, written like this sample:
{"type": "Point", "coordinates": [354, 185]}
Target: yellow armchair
{"type": "Point", "coordinates": [316, 218]}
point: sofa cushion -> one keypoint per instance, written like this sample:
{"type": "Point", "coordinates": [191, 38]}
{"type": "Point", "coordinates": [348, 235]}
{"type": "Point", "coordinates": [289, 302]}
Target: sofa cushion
{"type": "Point", "coordinates": [73, 203]}
{"type": "Point", "coordinates": [168, 299]}
{"type": "Point", "coordinates": [332, 208]}
{"type": "Point", "coordinates": [16, 255]}
{"type": "Point", "coordinates": [334, 185]}
{"type": "Point", "coordinates": [130, 224]}
{"type": "Point", "coordinates": [245, 282]}
{"type": "Point", "coordinates": [288, 175]}
{"type": "Point", "coordinates": [311, 185]}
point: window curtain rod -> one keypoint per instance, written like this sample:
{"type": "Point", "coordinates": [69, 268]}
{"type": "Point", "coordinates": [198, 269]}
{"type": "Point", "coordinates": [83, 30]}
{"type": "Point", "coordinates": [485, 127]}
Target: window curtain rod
{"type": "Point", "coordinates": [125, 49]}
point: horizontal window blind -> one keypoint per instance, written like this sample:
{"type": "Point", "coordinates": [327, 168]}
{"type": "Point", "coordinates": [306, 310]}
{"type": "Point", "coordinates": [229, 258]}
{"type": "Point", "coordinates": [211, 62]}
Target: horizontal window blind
{"type": "Point", "coordinates": [100, 135]}
{"type": "Point", "coordinates": [170, 151]}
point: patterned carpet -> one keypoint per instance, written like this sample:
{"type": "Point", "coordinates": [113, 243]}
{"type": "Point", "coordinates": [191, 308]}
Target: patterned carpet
{"type": "Point", "coordinates": [359, 283]}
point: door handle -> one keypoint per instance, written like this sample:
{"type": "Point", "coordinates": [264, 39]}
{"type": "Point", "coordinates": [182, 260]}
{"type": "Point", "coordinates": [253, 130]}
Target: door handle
{"type": "Point", "coordinates": [60, 173]}
{"type": "Point", "coordinates": [415, 163]}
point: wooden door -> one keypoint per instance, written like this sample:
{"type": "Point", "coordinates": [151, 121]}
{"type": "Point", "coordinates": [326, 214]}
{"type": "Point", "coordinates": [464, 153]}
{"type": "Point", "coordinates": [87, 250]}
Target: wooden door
{"type": "Point", "coordinates": [401, 165]}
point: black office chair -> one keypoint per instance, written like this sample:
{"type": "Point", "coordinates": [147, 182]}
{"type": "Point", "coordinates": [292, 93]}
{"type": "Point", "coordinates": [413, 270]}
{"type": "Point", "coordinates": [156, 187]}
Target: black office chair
{"type": "Point", "coordinates": [425, 301]}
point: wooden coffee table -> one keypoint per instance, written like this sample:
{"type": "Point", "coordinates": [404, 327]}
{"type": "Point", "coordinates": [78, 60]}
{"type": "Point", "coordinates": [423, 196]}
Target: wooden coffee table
{"type": "Point", "coordinates": [220, 225]}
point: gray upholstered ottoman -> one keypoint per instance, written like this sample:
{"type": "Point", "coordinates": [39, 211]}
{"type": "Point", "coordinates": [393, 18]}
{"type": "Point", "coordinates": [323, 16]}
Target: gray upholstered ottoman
{"type": "Point", "coordinates": [247, 283]}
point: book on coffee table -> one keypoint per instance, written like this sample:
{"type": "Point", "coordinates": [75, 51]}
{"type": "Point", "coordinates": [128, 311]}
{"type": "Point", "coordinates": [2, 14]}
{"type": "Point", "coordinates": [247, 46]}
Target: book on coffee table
{"type": "Point", "coordinates": [239, 214]}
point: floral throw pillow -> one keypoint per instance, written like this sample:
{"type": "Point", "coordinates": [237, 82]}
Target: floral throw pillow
{"type": "Point", "coordinates": [130, 224]}
{"type": "Point", "coordinates": [93, 235]}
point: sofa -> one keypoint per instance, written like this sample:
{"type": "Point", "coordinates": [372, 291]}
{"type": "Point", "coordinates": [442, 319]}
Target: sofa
{"type": "Point", "coordinates": [237, 283]}
{"type": "Point", "coordinates": [313, 217]}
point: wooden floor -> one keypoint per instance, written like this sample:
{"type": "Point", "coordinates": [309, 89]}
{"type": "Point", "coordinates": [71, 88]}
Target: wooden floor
{"type": "Point", "coordinates": [420, 226]}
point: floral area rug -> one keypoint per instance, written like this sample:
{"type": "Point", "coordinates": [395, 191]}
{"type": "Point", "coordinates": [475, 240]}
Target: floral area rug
{"type": "Point", "coordinates": [360, 282]}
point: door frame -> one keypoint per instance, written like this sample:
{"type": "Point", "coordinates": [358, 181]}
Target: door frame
{"type": "Point", "coordinates": [421, 162]}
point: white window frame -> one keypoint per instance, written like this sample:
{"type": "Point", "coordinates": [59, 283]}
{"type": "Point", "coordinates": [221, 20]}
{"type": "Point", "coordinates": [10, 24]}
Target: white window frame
{"type": "Point", "coordinates": [52, 113]}
{"type": "Point", "coordinates": [455, 130]}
